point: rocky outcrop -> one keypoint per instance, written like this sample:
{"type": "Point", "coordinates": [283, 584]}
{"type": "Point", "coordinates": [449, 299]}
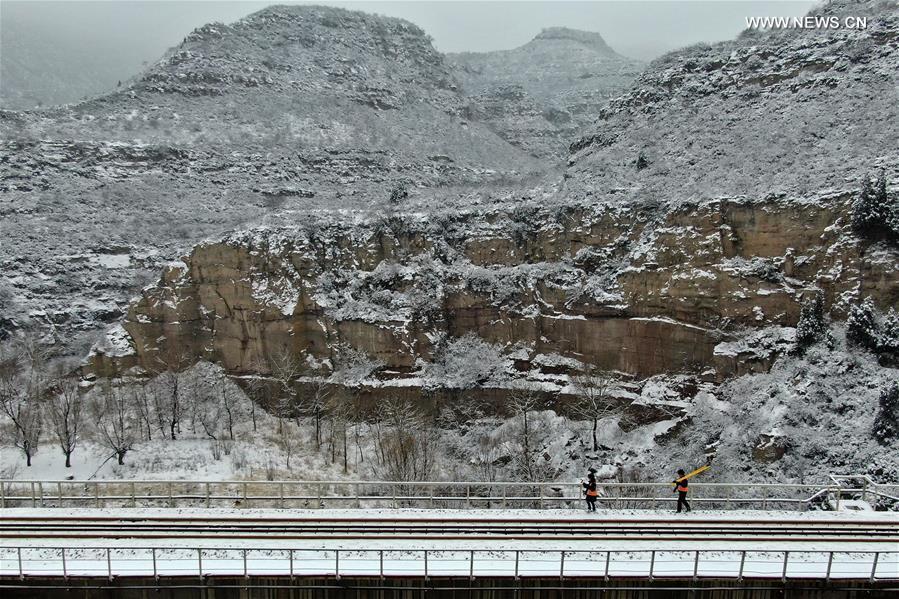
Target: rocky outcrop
{"type": "Point", "coordinates": [639, 291]}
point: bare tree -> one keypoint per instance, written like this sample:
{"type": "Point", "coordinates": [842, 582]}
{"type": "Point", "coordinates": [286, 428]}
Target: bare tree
{"type": "Point", "coordinates": [593, 399]}
{"type": "Point", "coordinates": [64, 410]}
{"type": "Point", "coordinates": [170, 364]}
{"type": "Point", "coordinates": [351, 368]}
{"type": "Point", "coordinates": [227, 406]}
{"type": "Point", "coordinates": [315, 403]}
{"type": "Point", "coordinates": [288, 440]}
{"type": "Point", "coordinates": [21, 387]}
{"type": "Point", "coordinates": [521, 403]}
{"type": "Point", "coordinates": [145, 409]}
{"type": "Point", "coordinates": [408, 445]}
{"type": "Point", "coordinates": [116, 421]}
{"type": "Point", "coordinates": [338, 409]}
{"type": "Point", "coordinates": [286, 369]}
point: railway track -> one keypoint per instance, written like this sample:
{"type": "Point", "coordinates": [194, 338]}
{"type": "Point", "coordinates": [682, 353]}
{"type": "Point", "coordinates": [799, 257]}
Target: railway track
{"type": "Point", "coordinates": [161, 527]}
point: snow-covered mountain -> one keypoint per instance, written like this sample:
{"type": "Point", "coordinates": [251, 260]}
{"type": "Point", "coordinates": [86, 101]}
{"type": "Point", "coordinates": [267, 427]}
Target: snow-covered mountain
{"type": "Point", "coordinates": [712, 275]}
{"type": "Point", "coordinates": [541, 95]}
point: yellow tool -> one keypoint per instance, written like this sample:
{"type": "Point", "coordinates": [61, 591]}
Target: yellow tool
{"type": "Point", "coordinates": [699, 470]}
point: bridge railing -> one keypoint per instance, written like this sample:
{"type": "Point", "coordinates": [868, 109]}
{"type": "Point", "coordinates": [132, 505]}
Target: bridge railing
{"type": "Point", "coordinates": [438, 494]}
{"type": "Point", "coordinates": [199, 563]}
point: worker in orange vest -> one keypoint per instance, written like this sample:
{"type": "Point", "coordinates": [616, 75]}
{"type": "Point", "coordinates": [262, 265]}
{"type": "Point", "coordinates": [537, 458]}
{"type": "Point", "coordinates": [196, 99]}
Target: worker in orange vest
{"type": "Point", "coordinates": [682, 487]}
{"type": "Point", "coordinates": [590, 491]}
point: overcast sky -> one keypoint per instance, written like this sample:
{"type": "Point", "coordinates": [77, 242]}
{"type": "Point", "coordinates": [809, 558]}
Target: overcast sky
{"type": "Point", "coordinates": [53, 52]}
{"type": "Point", "coordinates": [634, 28]}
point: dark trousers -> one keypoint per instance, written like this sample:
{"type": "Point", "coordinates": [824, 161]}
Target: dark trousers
{"type": "Point", "coordinates": [682, 501]}
{"type": "Point", "coordinates": [591, 503]}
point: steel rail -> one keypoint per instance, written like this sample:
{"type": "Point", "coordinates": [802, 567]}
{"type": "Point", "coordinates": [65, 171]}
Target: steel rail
{"type": "Point", "coordinates": [408, 528]}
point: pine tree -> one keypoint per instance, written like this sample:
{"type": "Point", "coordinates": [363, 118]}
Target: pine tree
{"type": "Point", "coordinates": [886, 422]}
{"type": "Point", "coordinates": [811, 327]}
{"type": "Point", "coordinates": [873, 214]}
{"type": "Point", "coordinates": [888, 340]}
{"type": "Point", "coordinates": [861, 325]}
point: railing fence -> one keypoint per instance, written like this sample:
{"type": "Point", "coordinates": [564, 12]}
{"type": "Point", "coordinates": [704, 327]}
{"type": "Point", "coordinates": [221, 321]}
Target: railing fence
{"type": "Point", "coordinates": [653, 564]}
{"type": "Point", "coordinates": [398, 494]}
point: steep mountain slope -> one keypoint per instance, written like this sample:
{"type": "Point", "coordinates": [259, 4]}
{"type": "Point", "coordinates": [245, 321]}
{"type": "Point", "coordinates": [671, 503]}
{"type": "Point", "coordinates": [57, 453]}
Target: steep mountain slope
{"type": "Point", "coordinates": [543, 94]}
{"type": "Point", "coordinates": [790, 111]}
{"type": "Point", "coordinates": [679, 270]}
{"type": "Point", "coordinates": [292, 107]}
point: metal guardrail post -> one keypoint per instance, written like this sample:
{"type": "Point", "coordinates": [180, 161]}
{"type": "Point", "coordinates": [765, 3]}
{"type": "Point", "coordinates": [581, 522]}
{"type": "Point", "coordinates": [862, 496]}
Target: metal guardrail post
{"type": "Point", "coordinates": [829, 566]}
{"type": "Point", "coordinates": [200, 563]}
{"type": "Point", "coordinates": [838, 499]}
{"type": "Point", "coordinates": [426, 564]}
{"type": "Point", "coordinates": [696, 567]}
{"type": "Point", "coordinates": [874, 566]}
{"type": "Point", "coordinates": [19, 555]}
{"type": "Point", "coordinates": [652, 563]}
{"type": "Point", "coordinates": [516, 563]}
{"type": "Point", "coordinates": [281, 495]}
{"type": "Point", "coordinates": [468, 495]}
{"type": "Point", "coordinates": [358, 500]}
{"type": "Point", "coordinates": [783, 576]}
{"type": "Point", "coordinates": [337, 564]}
{"type": "Point", "coordinates": [471, 565]}
{"type": "Point", "coordinates": [133, 495]}
{"type": "Point", "coordinates": [2, 494]}
{"type": "Point", "coordinates": [59, 493]}
{"type": "Point", "coordinates": [381, 561]}
{"type": "Point", "coordinates": [562, 566]}
{"type": "Point", "coordinates": [290, 557]}
{"type": "Point", "coordinates": [33, 498]}
{"type": "Point", "coordinates": [244, 555]}
{"type": "Point", "coordinates": [96, 494]}
{"type": "Point", "coordinates": [62, 553]}
{"type": "Point", "coordinates": [153, 556]}
{"type": "Point", "coordinates": [504, 496]}
{"type": "Point", "coordinates": [207, 494]}
{"type": "Point", "coordinates": [605, 575]}
{"type": "Point", "coordinates": [109, 563]}
{"type": "Point", "coordinates": [40, 490]}
{"type": "Point", "coordinates": [742, 565]}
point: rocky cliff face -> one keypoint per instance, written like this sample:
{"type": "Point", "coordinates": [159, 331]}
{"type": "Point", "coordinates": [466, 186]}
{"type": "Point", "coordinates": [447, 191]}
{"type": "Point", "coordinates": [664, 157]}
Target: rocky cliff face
{"type": "Point", "coordinates": [543, 94]}
{"type": "Point", "coordinates": [643, 292]}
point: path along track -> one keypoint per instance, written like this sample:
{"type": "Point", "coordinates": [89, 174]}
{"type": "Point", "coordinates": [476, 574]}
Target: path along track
{"type": "Point", "coordinates": [312, 528]}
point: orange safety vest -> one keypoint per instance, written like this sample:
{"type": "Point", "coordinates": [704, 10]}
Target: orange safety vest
{"type": "Point", "coordinates": [682, 488]}
{"type": "Point", "coordinates": [592, 493]}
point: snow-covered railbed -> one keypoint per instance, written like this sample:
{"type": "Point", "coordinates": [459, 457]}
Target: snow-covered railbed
{"type": "Point", "coordinates": [190, 554]}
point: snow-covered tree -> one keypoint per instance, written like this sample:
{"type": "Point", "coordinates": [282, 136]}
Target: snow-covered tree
{"type": "Point", "coordinates": [811, 327]}
{"type": "Point", "coordinates": [464, 363]}
{"type": "Point", "coordinates": [886, 422]}
{"type": "Point", "coordinates": [861, 325]}
{"type": "Point", "coordinates": [874, 214]}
